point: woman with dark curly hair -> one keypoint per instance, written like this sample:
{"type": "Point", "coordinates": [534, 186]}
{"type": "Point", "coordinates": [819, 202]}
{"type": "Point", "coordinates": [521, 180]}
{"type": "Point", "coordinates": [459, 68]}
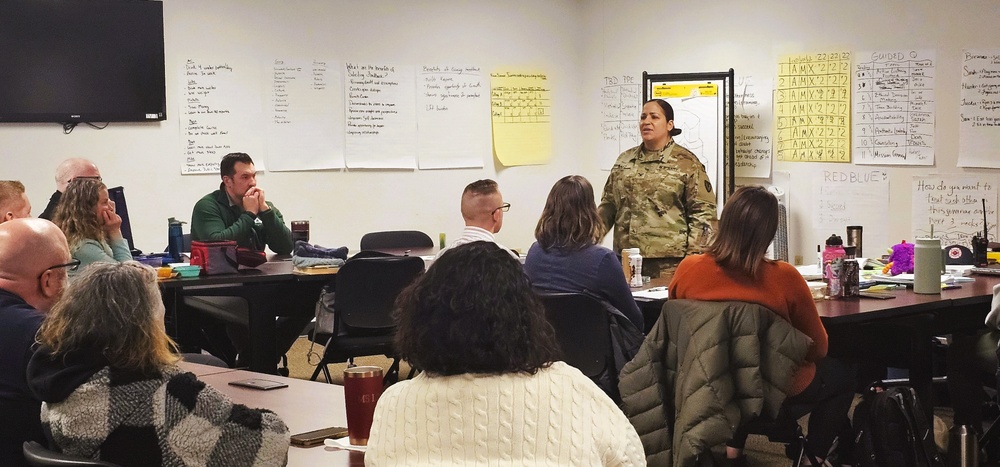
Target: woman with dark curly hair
{"type": "Point", "coordinates": [87, 217]}
{"type": "Point", "coordinates": [491, 390]}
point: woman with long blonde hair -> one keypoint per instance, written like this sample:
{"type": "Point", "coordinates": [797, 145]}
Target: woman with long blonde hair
{"type": "Point", "coordinates": [107, 374]}
{"type": "Point", "coordinates": [87, 217]}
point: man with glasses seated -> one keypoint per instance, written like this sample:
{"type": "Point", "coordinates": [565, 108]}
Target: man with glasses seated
{"type": "Point", "coordinates": [34, 261]}
{"type": "Point", "coordinates": [482, 209]}
{"type": "Point", "coordinates": [65, 173]}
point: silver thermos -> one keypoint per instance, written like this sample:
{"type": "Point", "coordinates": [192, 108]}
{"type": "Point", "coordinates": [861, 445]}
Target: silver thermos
{"type": "Point", "coordinates": [963, 447]}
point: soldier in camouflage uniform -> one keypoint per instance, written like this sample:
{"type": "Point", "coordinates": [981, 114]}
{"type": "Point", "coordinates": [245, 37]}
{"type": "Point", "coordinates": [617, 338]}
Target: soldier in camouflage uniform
{"type": "Point", "coordinates": [658, 197]}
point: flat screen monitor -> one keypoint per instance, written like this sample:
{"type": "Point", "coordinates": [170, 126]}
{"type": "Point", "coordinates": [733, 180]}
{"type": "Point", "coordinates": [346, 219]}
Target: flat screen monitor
{"type": "Point", "coordinates": [81, 61]}
{"type": "Point", "coordinates": [117, 194]}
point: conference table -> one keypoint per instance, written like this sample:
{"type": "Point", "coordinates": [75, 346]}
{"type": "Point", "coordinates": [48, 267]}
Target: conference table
{"type": "Point", "coordinates": [303, 405]}
{"type": "Point", "coordinates": [896, 332]}
{"type": "Point", "coordinates": [271, 289]}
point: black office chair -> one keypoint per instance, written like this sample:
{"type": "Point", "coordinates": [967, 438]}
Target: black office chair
{"type": "Point", "coordinates": [583, 329]}
{"type": "Point", "coordinates": [40, 456]}
{"type": "Point", "coordinates": [365, 294]}
{"type": "Point", "coordinates": [396, 239]}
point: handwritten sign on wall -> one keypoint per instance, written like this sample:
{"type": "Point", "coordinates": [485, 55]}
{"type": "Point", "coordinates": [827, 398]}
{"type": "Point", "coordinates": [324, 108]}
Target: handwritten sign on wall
{"type": "Point", "coordinates": [853, 197]}
{"type": "Point", "coordinates": [381, 116]}
{"type": "Point", "coordinates": [894, 107]}
{"type": "Point", "coordinates": [814, 107]}
{"type": "Point", "coordinates": [953, 204]}
{"type": "Point", "coordinates": [304, 122]}
{"type": "Point", "coordinates": [520, 107]}
{"type": "Point", "coordinates": [979, 124]}
{"type": "Point", "coordinates": [754, 126]}
{"type": "Point", "coordinates": [220, 104]}
{"type": "Point", "coordinates": [452, 117]}
{"type": "Point", "coordinates": [621, 103]}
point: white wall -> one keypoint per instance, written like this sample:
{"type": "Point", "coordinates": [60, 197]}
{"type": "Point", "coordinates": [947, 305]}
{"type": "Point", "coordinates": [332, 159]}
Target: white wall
{"type": "Point", "coordinates": [630, 36]}
{"type": "Point", "coordinates": [342, 205]}
{"type": "Point", "coordinates": [575, 42]}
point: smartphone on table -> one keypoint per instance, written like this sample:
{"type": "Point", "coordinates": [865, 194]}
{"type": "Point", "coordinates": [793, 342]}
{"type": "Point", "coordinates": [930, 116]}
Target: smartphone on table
{"type": "Point", "coordinates": [316, 437]}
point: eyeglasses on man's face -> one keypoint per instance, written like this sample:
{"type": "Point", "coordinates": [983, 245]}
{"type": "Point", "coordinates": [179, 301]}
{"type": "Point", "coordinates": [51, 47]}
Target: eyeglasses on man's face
{"type": "Point", "coordinates": [70, 266]}
{"type": "Point", "coordinates": [503, 207]}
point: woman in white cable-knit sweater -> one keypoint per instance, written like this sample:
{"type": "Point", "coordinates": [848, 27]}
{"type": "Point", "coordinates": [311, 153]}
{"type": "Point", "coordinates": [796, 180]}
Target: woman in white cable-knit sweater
{"type": "Point", "coordinates": [491, 391]}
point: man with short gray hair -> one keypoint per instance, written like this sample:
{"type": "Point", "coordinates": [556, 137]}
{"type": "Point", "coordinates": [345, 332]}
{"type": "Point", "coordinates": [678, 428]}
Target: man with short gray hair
{"type": "Point", "coordinates": [65, 173]}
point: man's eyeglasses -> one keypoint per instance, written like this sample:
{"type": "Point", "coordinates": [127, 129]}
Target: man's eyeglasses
{"type": "Point", "coordinates": [504, 207]}
{"type": "Point", "coordinates": [70, 266]}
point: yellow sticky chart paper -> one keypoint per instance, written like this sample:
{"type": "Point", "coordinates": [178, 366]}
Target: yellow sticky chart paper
{"type": "Point", "coordinates": [680, 91]}
{"type": "Point", "coordinates": [522, 125]}
{"type": "Point", "coordinates": [813, 107]}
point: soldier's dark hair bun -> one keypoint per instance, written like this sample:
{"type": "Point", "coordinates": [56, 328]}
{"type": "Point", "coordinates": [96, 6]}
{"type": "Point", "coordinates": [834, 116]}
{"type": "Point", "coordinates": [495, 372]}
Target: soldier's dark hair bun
{"type": "Point", "coordinates": [675, 132]}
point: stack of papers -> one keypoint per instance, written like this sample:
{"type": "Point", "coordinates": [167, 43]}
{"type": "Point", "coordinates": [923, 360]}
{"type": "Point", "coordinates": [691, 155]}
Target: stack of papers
{"type": "Point", "coordinates": [908, 279]}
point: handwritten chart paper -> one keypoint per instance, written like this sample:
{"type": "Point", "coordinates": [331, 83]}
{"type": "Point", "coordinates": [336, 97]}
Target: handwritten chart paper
{"type": "Point", "coordinates": [894, 108]}
{"type": "Point", "coordinates": [452, 117]}
{"type": "Point", "coordinates": [754, 126]}
{"type": "Point", "coordinates": [220, 107]}
{"type": "Point", "coordinates": [853, 197]}
{"type": "Point", "coordinates": [814, 107]}
{"type": "Point", "coordinates": [304, 118]}
{"type": "Point", "coordinates": [979, 125]}
{"type": "Point", "coordinates": [621, 104]}
{"type": "Point", "coordinates": [381, 117]}
{"type": "Point", "coordinates": [698, 113]}
{"type": "Point", "coordinates": [520, 105]}
{"type": "Point", "coordinates": [953, 204]}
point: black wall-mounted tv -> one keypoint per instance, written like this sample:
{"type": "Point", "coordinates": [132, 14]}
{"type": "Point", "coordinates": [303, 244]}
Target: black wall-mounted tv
{"type": "Point", "coordinates": [81, 61]}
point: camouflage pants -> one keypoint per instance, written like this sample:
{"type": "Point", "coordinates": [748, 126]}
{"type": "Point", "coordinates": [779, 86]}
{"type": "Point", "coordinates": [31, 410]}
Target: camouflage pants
{"type": "Point", "coordinates": [660, 267]}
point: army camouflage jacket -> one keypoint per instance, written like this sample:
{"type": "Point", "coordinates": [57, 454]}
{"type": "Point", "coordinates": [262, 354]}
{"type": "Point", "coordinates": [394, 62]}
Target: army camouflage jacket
{"type": "Point", "coordinates": [660, 202]}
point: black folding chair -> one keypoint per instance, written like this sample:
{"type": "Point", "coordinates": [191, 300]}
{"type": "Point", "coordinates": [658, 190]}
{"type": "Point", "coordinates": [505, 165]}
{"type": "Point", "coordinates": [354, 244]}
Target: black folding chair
{"type": "Point", "coordinates": [396, 239]}
{"type": "Point", "coordinates": [365, 294]}
{"type": "Point", "coordinates": [583, 329]}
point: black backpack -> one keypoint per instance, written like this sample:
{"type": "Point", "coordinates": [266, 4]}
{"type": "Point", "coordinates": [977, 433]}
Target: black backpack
{"type": "Point", "coordinates": [891, 429]}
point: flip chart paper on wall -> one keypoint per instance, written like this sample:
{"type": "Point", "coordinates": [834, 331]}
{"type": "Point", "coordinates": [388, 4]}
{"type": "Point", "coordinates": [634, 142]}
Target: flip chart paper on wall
{"type": "Point", "coordinates": [304, 121]}
{"type": "Point", "coordinates": [814, 107]}
{"type": "Point", "coordinates": [953, 204]}
{"type": "Point", "coordinates": [754, 126]}
{"type": "Point", "coordinates": [452, 120]}
{"type": "Point", "coordinates": [894, 107]}
{"type": "Point", "coordinates": [520, 109]}
{"type": "Point", "coordinates": [853, 197]}
{"type": "Point", "coordinates": [381, 116]}
{"type": "Point", "coordinates": [698, 113]}
{"type": "Point", "coordinates": [979, 119]}
{"type": "Point", "coordinates": [621, 103]}
{"type": "Point", "coordinates": [220, 110]}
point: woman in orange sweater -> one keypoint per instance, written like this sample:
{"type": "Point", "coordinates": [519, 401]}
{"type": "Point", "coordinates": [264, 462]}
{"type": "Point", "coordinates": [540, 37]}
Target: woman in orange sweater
{"type": "Point", "coordinates": [734, 267]}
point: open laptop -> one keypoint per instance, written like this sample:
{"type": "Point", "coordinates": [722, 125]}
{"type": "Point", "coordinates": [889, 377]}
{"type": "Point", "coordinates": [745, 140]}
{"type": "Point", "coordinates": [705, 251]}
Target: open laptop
{"type": "Point", "coordinates": [117, 194]}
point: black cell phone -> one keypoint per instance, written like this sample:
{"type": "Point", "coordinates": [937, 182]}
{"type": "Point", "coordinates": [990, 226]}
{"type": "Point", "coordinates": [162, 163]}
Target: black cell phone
{"type": "Point", "coordinates": [316, 437]}
{"type": "Point", "coordinates": [261, 384]}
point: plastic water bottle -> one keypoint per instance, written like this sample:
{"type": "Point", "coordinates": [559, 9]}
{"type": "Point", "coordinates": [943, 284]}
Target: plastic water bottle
{"type": "Point", "coordinates": [175, 239]}
{"type": "Point", "coordinates": [834, 249]}
{"type": "Point", "coordinates": [635, 264]}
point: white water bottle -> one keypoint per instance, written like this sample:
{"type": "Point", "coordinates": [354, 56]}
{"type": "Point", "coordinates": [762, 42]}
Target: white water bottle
{"type": "Point", "coordinates": [635, 264]}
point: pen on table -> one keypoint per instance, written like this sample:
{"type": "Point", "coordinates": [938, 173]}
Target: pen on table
{"type": "Point", "coordinates": [656, 289]}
